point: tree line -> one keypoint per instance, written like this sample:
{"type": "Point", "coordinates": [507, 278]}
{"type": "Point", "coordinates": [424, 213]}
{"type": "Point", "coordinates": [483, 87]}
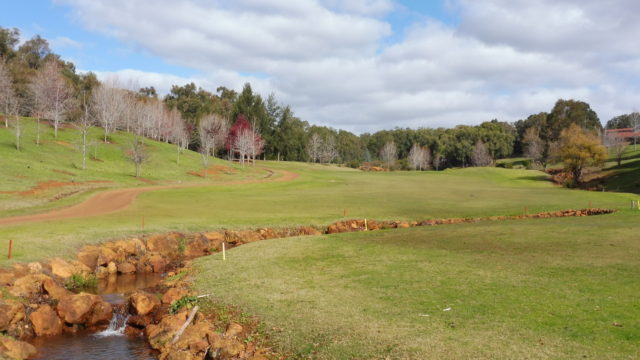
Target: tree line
{"type": "Point", "coordinates": [245, 125]}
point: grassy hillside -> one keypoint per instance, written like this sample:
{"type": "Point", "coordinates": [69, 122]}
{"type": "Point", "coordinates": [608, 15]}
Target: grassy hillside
{"type": "Point", "coordinates": [536, 289]}
{"type": "Point", "coordinates": [50, 174]}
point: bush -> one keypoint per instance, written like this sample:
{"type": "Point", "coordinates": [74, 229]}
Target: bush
{"type": "Point", "coordinates": [527, 164]}
{"type": "Point", "coordinates": [185, 302]}
{"type": "Point", "coordinates": [505, 165]}
{"type": "Point", "coordinates": [80, 282]}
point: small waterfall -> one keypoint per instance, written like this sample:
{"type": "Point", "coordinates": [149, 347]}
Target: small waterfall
{"type": "Point", "coordinates": [117, 324]}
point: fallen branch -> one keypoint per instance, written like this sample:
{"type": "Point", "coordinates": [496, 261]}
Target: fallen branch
{"type": "Point", "coordinates": [192, 314]}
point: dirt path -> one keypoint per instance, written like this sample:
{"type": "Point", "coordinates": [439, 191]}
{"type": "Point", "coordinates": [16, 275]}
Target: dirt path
{"type": "Point", "coordinates": [119, 199]}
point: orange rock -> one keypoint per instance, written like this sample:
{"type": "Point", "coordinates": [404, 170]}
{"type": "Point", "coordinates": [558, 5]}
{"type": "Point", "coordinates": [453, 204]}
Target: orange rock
{"type": "Point", "coordinates": [45, 321]}
{"type": "Point", "coordinates": [143, 303]}
{"type": "Point", "coordinates": [76, 309]}
{"type": "Point", "coordinates": [14, 349]}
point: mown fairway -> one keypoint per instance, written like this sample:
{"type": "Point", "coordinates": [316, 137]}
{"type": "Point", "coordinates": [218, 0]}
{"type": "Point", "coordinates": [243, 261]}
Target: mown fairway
{"type": "Point", "coordinates": [537, 289]}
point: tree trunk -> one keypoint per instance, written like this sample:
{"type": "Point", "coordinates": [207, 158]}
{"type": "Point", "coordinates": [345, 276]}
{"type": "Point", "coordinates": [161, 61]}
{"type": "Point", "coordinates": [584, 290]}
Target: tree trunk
{"type": "Point", "coordinates": [37, 131]}
{"type": "Point", "coordinates": [84, 149]}
{"type": "Point", "coordinates": [137, 170]}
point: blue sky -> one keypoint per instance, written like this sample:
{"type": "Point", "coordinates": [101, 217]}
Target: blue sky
{"type": "Point", "coordinates": [360, 65]}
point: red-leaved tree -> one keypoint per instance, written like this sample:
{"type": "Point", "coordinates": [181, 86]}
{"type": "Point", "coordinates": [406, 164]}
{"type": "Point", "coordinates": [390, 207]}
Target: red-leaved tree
{"type": "Point", "coordinates": [243, 141]}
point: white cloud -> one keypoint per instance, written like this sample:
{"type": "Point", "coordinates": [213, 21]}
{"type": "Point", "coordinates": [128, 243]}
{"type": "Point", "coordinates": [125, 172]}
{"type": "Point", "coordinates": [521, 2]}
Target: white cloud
{"type": "Point", "coordinates": [327, 58]}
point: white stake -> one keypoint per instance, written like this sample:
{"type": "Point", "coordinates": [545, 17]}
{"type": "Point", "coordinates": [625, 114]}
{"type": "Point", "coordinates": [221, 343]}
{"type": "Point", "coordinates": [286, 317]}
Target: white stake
{"type": "Point", "coordinates": [224, 254]}
{"type": "Point", "coordinates": [366, 228]}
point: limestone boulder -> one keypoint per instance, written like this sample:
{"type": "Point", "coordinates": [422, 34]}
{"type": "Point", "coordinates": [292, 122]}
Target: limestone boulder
{"type": "Point", "coordinates": [106, 256]}
{"type": "Point", "coordinates": [161, 334]}
{"type": "Point", "coordinates": [126, 268]}
{"type": "Point", "coordinates": [165, 244]}
{"type": "Point", "coordinates": [45, 321]}
{"type": "Point", "coordinates": [54, 290]}
{"type": "Point", "coordinates": [197, 247]}
{"type": "Point", "coordinates": [62, 268]}
{"type": "Point", "coordinates": [14, 349]}
{"type": "Point", "coordinates": [88, 255]}
{"type": "Point", "coordinates": [142, 303]}
{"type": "Point", "coordinates": [101, 313]}
{"type": "Point", "coordinates": [28, 286]}
{"type": "Point", "coordinates": [76, 308]}
{"type": "Point", "coordinates": [174, 294]}
{"type": "Point", "coordinates": [11, 312]}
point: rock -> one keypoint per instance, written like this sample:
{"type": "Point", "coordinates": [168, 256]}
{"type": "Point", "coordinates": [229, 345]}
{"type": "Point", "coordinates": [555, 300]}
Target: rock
{"type": "Point", "coordinates": [166, 244]}
{"type": "Point", "coordinates": [174, 294]}
{"type": "Point", "coordinates": [242, 237]}
{"type": "Point", "coordinates": [160, 335]}
{"type": "Point", "coordinates": [126, 268]}
{"type": "Point", "coordinates": [112, 268]}
{"type": "Point", "coordinates": [11, 312]}
{"type": "Point", "coordinates": [54, 290]}
{"type": "Point", "coordinates": [88, 255]}
{"type": "Point", "coordinates": [77, 308]}
{"type": "Point", "coordinates": [101, 313]}
{"type": "Point", "coordinates": [152, 262]}
{"type": "Point", "coordinates": [403, 225]}
{"type": "Point", "coordinates": [143, 303]}
{"type": "Point", "coordinates": [102, 272]}
{"type": "Point", "coordinates": [106, 256]}
{"type": "Point", "coordinates": [15, 349]}
{"type": "Point", "coordinates": [307, 230]}
{"type": "Point", "coordinates": [192, 344]}
{"type": "Point", "coordinates": [231, 349]}
{"type": "Point", "coordinates": [62, 268]}
{"type": "Point", "coordinates": [35, 268]}
{"type": "Point", "coordinates": [28, 286]}
{"type": "Point", "coordinates": [233, 330]}
{"type": "Point", "coordinates": [6, 278]}
{"type": "Point", "coordinates": [131, 247]}
{"type": "Point", "coordinates": [197, 247]}
{"type": "Point", "coordinates": [45, 321]}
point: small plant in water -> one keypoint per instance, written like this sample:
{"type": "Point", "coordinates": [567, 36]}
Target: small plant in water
{"type": "Point", "coordinates": [81, 282]}
{"type": "Point", "coordinates": [186, 302]}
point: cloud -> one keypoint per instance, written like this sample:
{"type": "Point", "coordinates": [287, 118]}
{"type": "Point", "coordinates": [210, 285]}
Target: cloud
{"type": "Point", "coordinates": [333, 62]}
{"type": "Point", "coordinates": [61, 42]}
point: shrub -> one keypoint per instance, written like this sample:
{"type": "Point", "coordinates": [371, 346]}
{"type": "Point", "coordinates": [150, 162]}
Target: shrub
{"type": "Point", "coordinates": [186, 302]}
{"type": "Point", "coordinates": [81, 282]}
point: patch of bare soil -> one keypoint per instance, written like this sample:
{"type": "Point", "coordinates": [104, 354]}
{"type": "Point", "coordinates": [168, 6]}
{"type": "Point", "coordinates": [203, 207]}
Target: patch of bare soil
{"type": "Point", "coordinates": [52, 184]}
{"type": "Point", "coordinates": [215, 170]}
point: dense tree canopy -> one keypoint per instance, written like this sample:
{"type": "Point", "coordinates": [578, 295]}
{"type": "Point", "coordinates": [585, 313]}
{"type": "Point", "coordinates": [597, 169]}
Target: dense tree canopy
{"type": "Point", "coordinates": [285, 136]}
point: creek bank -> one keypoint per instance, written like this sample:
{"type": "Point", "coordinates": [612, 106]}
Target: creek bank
{"type": "Point", "coordinates": [35, 300]}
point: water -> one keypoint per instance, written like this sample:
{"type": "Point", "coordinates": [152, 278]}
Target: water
{"type": "Point", "coordinates": [111, 343]}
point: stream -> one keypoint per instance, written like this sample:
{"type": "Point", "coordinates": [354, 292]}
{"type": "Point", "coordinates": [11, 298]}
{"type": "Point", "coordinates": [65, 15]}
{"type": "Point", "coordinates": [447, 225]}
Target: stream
{"type": "Point", "coordinates": [108, 344]}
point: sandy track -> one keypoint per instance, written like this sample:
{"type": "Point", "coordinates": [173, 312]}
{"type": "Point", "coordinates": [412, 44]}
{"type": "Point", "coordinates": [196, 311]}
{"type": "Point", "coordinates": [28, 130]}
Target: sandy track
{"type": "Point", "coordinates": [111, 201]}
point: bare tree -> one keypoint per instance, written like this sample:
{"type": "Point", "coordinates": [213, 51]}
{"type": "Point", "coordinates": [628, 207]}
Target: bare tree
{"type": "Point", "coordinates": [83, 126]}
{"type": "Point", "coordinates": [7, 94]}
{"type": "Point", "coordinates": [328, 150]}
{"type": "Point", "coordinates": [616, 145]}
{"type": "Point", "coordinates": [14, 110]}
{"type": "Point", "coordinates": [179, 133]}
{"type": "Point", "coordinates": [480, 155]}
{"type": "Point", "coordinates": [534, 146]}
{"type": "Point", "coordinates": [110, 104]}
{"type": "Point", "coordinates": [137, 153]}
{"type": "Point", "coordinates": [389, 154]}
{"type": "Point", "coordinates": [257, 146]}
{"type": "Point", "coordinates": [313, 147]}
{"type": "Point", "coordinates": [243, 143]}
{"type": "Point", "coordinates": [54, 93]}
{"type": "Point", "coordinates": [437, 160]}
{"type": "Point", "coordinates": [419, 157]}
{"type": "Point", "coordinates": [212, 131]}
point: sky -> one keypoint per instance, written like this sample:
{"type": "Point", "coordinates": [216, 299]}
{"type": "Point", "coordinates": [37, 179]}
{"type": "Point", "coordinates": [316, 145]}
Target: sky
{"type": "Point", "coordinates": [360, 65]}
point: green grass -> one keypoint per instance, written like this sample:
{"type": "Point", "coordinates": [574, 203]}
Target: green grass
{"type": "Point", "coordinates": [518, 289]}
{"type": "Point", "coordinates": [317, 197]}
{"type": "Point", "coordinates": [59, 159]}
